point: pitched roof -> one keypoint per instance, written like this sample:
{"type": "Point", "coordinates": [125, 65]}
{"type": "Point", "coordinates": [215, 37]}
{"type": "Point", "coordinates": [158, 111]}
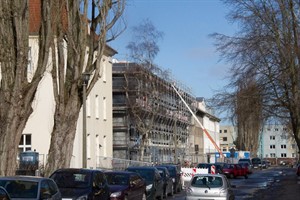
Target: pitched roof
{"type": "Point", "coordinates": [34, 16]}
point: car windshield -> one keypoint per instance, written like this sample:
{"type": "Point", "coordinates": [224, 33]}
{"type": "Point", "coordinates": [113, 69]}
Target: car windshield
{"type": "Point", "coordinates": [117, 179]}
{"type": "Point", "coordinates": [207, 181]}
{"type": "Point", "coordinates": [147, 174]}
{"type": "Point", "coordinates": [20, 189]}
{"type": "Point", "coordinates": [172, 170]}
{"type": "Point", "coordinates": [228, 166]}
{"type": "Point", "coordinates": [72, 179]}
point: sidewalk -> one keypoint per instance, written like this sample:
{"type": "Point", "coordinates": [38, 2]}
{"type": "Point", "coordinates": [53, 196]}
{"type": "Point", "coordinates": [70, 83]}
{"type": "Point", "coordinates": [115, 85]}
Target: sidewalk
{"type": "Point", "coordinates": [288, 188]}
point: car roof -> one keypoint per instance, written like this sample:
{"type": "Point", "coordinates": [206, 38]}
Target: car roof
{"type": "Point", "coordinates": [214, 175]}
{"type": "Point", "coordinates": [78, 170]}
{"type": "Point", "coordinates": [25, 178]}
{"type": "Point", "coordinates": [120, 172]}
{"type": "Point", "coordinates": [141, 167]}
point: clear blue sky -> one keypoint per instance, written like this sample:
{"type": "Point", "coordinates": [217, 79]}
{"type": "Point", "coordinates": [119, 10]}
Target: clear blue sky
{"type": "Point", "coordinates": [186, 48]}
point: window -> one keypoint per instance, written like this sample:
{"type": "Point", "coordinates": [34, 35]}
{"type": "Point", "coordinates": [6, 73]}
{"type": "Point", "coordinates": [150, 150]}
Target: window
{"type": "Point", "coordinates": [276, 129]}
{"type": "Point", "coordinates": [293, 155]}
{"type": "Point", "coordinates": [272, 146]}
{"type": "Point", "coordinates": [272, 155]}
{"type": "Point", "coordinates": [293, 146]}
{"type": "Point", "coordinates": [104, 109]}
{"type": "Point", "coordinates": [220, 131]}
{"type": "Point", "coordinates": [283, 146]}
{"type": "Point", "coordinates": [224, 149]}
{"type": "Point", "coordinates": [225, 131]}
{"type": "Point", "coordinates": [283, 137]}
{"type": "Point", "coordinates": [283, 155]}
{"type": "Point", "coordinates": [97, 107]}
{"type": "Point", "coordinates": [88, 146]}
{"type": "Point", "coordinates": [88, 107]}
{"type": "Point", "coordinates": [224, 139]}
{"type": "Point", "coordinates": [25, 143]}
{"type": "Point", "coordinates": [272, 137]}
{"type": "Point", "coordinates": [104, 72]}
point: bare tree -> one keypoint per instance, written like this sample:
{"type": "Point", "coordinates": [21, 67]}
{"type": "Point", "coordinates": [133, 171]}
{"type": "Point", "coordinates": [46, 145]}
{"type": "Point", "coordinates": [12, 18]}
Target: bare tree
{"type": "Point", "coordinates": [144, 107]}
{"type": "Point", "coordinates": [74, 41]}
{"type": "Point", "coordinates": [84, 39]}
{"type": "Point", "coordinates": [16, 91]}
{"type": "Point", "coordinates": [267, 49]}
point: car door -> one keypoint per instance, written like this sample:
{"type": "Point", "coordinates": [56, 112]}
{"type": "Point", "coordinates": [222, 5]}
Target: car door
{"type": "Point", "coordinates": [100, 188]}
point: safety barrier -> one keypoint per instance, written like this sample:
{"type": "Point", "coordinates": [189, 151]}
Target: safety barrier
{"type": "Point", "coordinates": [188, 173]}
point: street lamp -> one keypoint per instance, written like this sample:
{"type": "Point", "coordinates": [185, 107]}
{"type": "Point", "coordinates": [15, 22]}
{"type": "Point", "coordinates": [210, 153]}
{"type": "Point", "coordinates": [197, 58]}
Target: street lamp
{"type": "Point", "coordinates": [85, 81]}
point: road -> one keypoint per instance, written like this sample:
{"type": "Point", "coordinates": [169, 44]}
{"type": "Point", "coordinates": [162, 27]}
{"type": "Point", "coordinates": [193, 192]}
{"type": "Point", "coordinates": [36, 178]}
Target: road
{"type": "Point", "coordinates": [247, 188]}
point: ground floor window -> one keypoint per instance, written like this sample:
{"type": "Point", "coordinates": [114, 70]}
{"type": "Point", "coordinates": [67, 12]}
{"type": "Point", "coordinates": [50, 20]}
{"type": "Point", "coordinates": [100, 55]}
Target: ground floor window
{"type": "Point", "coordinates": [25, 143]}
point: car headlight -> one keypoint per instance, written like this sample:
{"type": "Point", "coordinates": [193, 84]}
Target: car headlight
{"type": "Point", "coordinates": [149, 187]}
{"type": "Point", "coordinates": [116, 194]}
{"type": "Point", "coordinates": [83, 197]}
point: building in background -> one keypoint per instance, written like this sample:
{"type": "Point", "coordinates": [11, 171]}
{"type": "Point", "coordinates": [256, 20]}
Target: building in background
{"type": "Point", "coordinates": [227, 137]}
{"type": "Point", "coordinates": [37, 133]}
{"type": "Point", "coordinates": [277, 145]}
{"type": "Point", "coordinates": [202, 148]}
{"type": "Point", "coordinates": [150, 122]}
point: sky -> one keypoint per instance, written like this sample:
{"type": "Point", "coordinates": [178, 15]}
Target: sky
{"type": "Point", "coordinates": [186, 49]}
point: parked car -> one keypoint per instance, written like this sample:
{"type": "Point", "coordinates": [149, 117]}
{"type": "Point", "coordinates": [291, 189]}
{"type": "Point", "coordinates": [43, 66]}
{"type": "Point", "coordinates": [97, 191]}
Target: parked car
{"type": "Point", "coordinates": [209, 186]}
{"type": "Point", "coordinates": [218, 167]}
{"type": "Point", "coordinates": [125, 185]}
{"type": "Point", "coordinates": [298, 170]}
{"type": "Point", "coordinates": [264, 164]}
{"type": "Point", "coordinates": [245, 160]}
{"type": "Point", "coordinates": [234, 170]}
{"type": "Point", "coordinates": [168, 182]}
{"type": "Point", "coordinates": [30, 187]}
{"type": "Point", "coordinates": [154, 182]}
{"type": "Point", "coordinates": [3, 194]}
{"type": "Point", "coordinates": [175, 173]}
{"type": "Point", "coordinates": [256, 162]}
{"type": "Point", "coordinates": [81, 183]}
{"type": "Point", "coordinates": [247, 167]}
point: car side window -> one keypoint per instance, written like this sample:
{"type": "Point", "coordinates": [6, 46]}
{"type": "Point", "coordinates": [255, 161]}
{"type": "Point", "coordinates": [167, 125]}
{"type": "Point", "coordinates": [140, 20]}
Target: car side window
{"type": "Point", "coordinates": [53, 187]}
{"type": "Point", "coordinates": [99, 179]}
{"type": "Point", "coordinates": [45, 189]}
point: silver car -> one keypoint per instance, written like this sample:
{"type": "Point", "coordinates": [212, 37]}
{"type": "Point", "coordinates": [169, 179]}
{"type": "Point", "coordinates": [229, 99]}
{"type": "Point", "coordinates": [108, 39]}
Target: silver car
{"type": "Point", "coordinates": [209, 186]}
{"type": "Point", "coordinates": [30, 187]}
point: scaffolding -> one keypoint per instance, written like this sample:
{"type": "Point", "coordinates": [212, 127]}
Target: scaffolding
{"type": "Point", "coordinates": [150, 122]}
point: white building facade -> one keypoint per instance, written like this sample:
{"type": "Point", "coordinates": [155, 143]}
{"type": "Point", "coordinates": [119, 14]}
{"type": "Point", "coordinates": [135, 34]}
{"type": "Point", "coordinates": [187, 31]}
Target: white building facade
{"type": "Point", "coordinates": [277, 144]}
{"type": "Point", "coordinates": [37, 133]}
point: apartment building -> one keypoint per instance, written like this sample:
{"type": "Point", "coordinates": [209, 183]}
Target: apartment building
{"type": "Point", "coordinates": [277, 144]}
{"type": "Point", "coordinates": [37, 133]}
{"type": "Point", "coordinates": [150, 121]}
{"type": "Point", "coordinates": [227, 137]}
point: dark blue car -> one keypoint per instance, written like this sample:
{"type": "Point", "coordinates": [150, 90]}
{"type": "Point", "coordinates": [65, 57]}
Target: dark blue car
{"type": "Point", "coordinates": [81, 183]}
{"type": "Point", "coordinates": [154, 182]}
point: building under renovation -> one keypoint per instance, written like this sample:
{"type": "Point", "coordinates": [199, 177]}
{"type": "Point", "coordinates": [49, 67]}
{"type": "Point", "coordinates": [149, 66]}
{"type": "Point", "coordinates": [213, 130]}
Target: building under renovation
{"type": "Point", "coordinates": [150, 120]}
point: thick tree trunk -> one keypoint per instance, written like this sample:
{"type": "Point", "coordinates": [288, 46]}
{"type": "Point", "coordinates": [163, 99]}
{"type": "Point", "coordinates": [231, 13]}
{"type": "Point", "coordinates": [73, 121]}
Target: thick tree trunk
{"type": "Point", "coordinates": [16, 93]}
{"type": "Point", "coordinates": [63, 135]}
